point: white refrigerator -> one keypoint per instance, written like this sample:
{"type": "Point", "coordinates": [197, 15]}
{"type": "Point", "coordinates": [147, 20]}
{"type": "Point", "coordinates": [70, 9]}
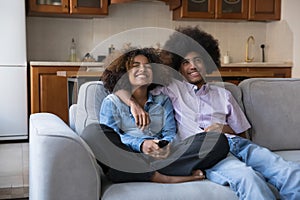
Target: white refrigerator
{"type": "Point", "coordinates": [13, 71]}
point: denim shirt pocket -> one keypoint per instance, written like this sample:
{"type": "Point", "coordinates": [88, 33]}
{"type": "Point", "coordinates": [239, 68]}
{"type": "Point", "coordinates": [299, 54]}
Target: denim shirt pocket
{"type": "Point", "coordinates": [157, 120]}
{"type": "Point", "coordinates": [127, 122]}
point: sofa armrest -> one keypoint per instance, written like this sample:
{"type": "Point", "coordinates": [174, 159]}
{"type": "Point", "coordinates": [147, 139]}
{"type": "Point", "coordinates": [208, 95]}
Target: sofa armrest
{"type": "Point", "coordinates": [62, 166]}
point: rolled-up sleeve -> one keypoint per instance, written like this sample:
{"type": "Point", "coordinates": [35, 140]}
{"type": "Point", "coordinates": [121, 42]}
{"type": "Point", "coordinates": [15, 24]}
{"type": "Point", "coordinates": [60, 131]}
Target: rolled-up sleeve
{"type": "Point", "coordinates": [236, 118]}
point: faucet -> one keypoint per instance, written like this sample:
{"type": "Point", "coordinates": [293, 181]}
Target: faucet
{"type": "Point", "coordinates": [247, 59]}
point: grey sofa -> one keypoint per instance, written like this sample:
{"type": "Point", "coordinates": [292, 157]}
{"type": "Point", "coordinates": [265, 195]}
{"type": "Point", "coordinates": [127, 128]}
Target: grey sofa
{"type": "Point", "coordinates": [62, 166]}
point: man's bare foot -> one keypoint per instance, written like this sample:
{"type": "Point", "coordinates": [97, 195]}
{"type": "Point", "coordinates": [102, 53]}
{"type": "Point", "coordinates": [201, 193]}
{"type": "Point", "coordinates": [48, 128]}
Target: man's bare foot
{"type": "Point", "coordinates": [198, 172]}
{"type": "Point", "coordinates": [160, 178]}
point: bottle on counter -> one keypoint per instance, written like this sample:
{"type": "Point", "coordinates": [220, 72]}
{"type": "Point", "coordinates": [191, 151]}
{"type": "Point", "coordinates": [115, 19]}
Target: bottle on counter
{"type": "Point", "coordinates": [226, 58]}
{"type": "Point", "coordinates": [73, 56]}
{"type": "Point", "coordinates": [111, 49]}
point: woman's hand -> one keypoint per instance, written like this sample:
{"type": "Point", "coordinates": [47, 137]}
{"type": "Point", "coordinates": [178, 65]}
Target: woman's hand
{"type": "Point", "coordinates": [151, 148]}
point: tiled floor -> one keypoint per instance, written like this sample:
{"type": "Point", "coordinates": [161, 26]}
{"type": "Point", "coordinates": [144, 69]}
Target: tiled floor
{"type": "Point", "coordinates": [14, 174]}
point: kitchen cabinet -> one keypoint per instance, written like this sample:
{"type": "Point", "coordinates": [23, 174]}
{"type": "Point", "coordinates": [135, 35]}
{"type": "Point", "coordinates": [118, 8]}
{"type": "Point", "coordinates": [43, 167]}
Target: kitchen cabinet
{"type": "Point", "coordinates": [264, 10]}
{"type": "Point", "coordinates": [128, 1]}
{"type": "Point", "coordinates": [70, 8]}
{"type": "Point", "coordinates": [75, 79]}
{"type": "Point", "coordinates": [228, 10]}
{"type": "Point", "coordinates": [190, 9]}
{"type": "Point", "coordinates": [231, 9]}
{"type": "Point", "coordinates": [212, 9]}
{"type": "Point", "coordinates": [172, 3]}
{"type": "Point", "coordinates": [236, 73]}
{"type": "Point", "coordinates": [48, 92]}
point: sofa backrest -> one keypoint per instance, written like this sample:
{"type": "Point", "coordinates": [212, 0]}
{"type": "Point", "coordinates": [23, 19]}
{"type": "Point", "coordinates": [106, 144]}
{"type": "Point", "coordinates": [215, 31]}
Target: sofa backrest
{"type": "Point", "coordinates": [272, 107]}
{"type": "Point", "coordinates": [90, 97]}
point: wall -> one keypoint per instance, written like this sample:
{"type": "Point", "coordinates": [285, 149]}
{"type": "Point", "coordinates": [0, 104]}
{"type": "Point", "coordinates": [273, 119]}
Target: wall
{"type": "Point", "coordinates": [285, 35]}
{"type": "Point", "coordinates": [49, 38]}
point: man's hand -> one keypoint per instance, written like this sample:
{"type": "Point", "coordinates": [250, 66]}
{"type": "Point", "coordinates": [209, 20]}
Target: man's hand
{"type": "Point", "coordinates": [151, 148]}
{"type": "Point", "coordinates": [214, 128]}
{"type": "Point", "coordinates": [141, 117]}
{"type": "Point", "coordinates": [220, 128]}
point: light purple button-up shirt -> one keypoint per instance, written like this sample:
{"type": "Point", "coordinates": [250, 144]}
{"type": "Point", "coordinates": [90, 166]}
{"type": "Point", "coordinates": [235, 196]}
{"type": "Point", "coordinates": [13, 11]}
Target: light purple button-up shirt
{"type": "Point", "coordinates": [196, 109]}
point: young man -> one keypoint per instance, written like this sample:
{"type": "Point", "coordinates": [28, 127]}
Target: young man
{"type": "Point", "coordinates": [202, 107]}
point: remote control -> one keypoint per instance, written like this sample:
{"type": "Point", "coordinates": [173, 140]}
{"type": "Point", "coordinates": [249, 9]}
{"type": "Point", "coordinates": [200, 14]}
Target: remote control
{"type": "Point", "coordinates": [162, 143]}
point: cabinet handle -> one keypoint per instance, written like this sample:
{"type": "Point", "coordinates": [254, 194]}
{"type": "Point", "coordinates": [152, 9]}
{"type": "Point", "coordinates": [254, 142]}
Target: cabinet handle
{"type": "Point", "coordinates": [75, 6]}
{"type": "Point", "coordinates": [65, 6]}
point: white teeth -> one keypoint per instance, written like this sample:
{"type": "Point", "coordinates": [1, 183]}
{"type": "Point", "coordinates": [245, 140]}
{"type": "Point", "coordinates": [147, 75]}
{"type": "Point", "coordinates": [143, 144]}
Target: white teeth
{"type": "Point", "coordinates": [141, 75]}
{"type": "Point", "coordinates": [194, 73]}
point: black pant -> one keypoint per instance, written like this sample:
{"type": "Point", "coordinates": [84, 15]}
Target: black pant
{"type": "Point", "coordinates": [121, 164]}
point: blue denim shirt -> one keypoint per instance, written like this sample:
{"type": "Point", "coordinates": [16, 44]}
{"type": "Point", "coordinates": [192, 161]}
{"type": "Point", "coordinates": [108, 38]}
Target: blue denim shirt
{"type": "Point", "coordinates": [116, 114]}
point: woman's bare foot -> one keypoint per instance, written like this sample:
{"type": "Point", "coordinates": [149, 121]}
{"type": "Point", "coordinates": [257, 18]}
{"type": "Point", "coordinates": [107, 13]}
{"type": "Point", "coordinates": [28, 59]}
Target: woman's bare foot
{"type": "Point", "coordinates": [160, 178]}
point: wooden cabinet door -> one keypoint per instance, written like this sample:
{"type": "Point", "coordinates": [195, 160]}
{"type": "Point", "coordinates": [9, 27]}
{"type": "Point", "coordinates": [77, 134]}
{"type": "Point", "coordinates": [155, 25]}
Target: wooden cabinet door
{"type": "Point", "coordinates": [203, 9]}
{"type": "Point", "coordinates": [262, 10]}
{"type": "Point", "coordinates": [49, 6]}
{"type": "Point", "coordinates": [237, 74]}
{"type": "Point", "coordinates": [232, 9]}
{"type": "Point", "coordinates": [48, 92]}
{"type": "Point", "coordinates": [259, 10]}
{"type": "Point", "coordinates": [67, 7]}
{"type": "Point", "coordinates": [89, 7]}
{"type": "Point", "coordinates": [53, 95]}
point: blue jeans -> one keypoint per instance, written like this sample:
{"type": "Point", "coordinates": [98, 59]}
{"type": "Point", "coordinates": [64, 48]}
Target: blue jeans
{"type": "Point", "coordinates": [248, 175]}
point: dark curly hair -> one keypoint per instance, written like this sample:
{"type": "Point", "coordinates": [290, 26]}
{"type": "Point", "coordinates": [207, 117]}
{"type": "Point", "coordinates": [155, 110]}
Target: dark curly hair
{"type": "Point", "coordinates": [115, 75]}
{"type": "Point", "coordinates": [188, 39]}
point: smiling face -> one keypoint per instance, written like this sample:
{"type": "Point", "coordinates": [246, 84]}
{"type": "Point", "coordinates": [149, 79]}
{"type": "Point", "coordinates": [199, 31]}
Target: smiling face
{"type": "Point", "coordinates": [140, 72]}
{"type": "Point", "coordinates": [193, 69]}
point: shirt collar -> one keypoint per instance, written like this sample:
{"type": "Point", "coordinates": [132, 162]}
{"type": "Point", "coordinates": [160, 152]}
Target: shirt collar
{"type": "Point", "coordinates": [149, 101]}
{"type": "Point", "coordinates": [193, 88]}
{"type": "Point", "coordinates": [150, 98]}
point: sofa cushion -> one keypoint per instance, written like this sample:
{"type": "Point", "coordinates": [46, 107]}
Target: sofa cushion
{"type": "Point", "coordinates": [291, 155]}
{"type": "Point", "coordinates": [90, 97]}
{"type": "Point", "coordinates": [181, 191]}
{"type": "Point", "coordinates": [272, 107]}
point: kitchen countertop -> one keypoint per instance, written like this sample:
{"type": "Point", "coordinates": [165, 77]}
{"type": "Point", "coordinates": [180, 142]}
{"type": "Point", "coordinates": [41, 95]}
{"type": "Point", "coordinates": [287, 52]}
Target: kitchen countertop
{"type": "Point", "coordinates": [62, 63]}
{"type": "Point", "coordinates": [259, 64]}
{"type": "Point", "coordinates": [100, 64]}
